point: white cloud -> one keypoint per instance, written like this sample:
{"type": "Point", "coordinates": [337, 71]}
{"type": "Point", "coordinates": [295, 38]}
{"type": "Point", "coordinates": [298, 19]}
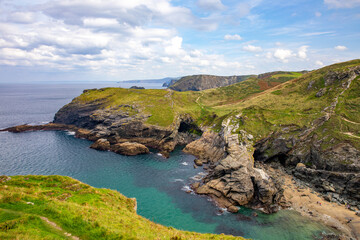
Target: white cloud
{"type": "Point", "coordinates": [232, 37]}
{"type": "Point", "coordinates": [100, 22]}
{"type": "Point", "coordinates": [319, 63]}
{"type": "Point", "coordinates": [283, 54]}
{"type": "Point", "coordinates": [252, 48]}
{"type": "Point", "coordinates": [316, 34]}
{"type": "Point", "coordinates": [211, 5]}
{"type": "Point", "coordinates": [341, 48]}
{"type": "Point", "coordinates": [318, 14]}
{"type": "Point", "coordinates": [302, 53]}
{"type": "Point", "coordinates": [21, 17]}
{"type": "Point", "coordinates": [342, 3]}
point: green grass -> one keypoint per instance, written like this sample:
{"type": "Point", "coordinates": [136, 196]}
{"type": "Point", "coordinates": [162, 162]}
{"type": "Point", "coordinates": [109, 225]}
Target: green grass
{"type": "Point", "coordinates": [79, 209]}
{"type": "Point", "coordinates": [268, 102]}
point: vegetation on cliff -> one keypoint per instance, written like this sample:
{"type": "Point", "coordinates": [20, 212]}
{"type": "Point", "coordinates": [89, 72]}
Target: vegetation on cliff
{"type": "Point", "coordinates": [57, 207]}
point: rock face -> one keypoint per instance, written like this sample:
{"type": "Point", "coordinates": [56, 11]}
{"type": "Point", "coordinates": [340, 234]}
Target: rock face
{"type": "Point", "coordinates": [124, 123]}
{"type": "Point", "coordinates": [130, 149]}
{"type": "Point", "coordinates": [333, 171]}
{"type": "Point", "coordinates": [210, 148]}
{"type": "Point", "coordinates": [233, 180]}
{"type": "Point", "coordinates": [202, 82]}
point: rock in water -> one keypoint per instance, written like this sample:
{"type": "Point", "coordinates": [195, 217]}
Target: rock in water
{"type": "Point", "coordinates": [101, 144]}
{"type": "Point", "coordinates": [130, 148]}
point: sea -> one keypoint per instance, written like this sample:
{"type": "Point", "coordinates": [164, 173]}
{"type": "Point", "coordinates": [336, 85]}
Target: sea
{"type": "Point", "coordinates": [160, 185]}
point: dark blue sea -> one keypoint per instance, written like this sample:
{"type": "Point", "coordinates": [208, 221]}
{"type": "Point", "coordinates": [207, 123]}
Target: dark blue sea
{"type": "Point", "coordinates": [159, 185]}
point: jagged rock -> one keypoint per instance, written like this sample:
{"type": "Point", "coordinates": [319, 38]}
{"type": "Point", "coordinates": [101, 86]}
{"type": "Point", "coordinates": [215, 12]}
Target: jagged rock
{"type": "Point", "coordinates": [300, 165]}
{"type": "Point", "coordinates": [101, 144]}
{"type": "Point", "coordinates": [198, 162]}
{"type": "Point", "coordinates": [130, 148]}
{"type": "Point", "coordinates": [321, 92]}
{"type": "Point", "coordinates": [233, 209]}
{"type": "Point", "coordinates": [210, 147]}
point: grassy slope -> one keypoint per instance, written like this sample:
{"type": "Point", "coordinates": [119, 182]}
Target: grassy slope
{"type": "Point", "coordinates": [77, 208]}
{"type": "Point", "coordinates": [292, 103]}
{"type": "Point", "coordinates": [164, 105]}
{"type": "Point", "coordinates": [267, 103]}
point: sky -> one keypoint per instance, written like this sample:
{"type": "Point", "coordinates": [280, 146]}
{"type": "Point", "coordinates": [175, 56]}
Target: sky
{"type": "Point", "coordinates": [116, 40]}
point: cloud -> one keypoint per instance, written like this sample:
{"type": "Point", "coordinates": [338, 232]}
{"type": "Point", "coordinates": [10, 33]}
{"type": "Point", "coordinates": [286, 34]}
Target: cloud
{"type": "Point", "coordinates": [283, 54]}
{"type": "Point", "coordinates": [21, 17]}
{"type": "Point", "coordinates": [341, 48]}
{"type": "Point", "coordinates": [232, 37]}
{"type": "Point", "coordinates": [302, 53]}
{"type": "Point", "coordinates": [129, 13]}
{"type": "Point", "coordinates": [251, 48]}
{"type": "Point", "coordinates": [319, 63]}
{"type": "Point", "coordinates": [342, 3]}
{"type": "Point", "coordinates": [211, 5]}
{"type": "Point", "coordinates": [316, 34]}
{"type": "Point", "coordinates": [318, 14]}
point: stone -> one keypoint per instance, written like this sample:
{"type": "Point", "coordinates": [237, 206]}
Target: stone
{"type": "Point", "coordinates": [101, 144]}
{"type": "Point", "coordinates": [130, 148]}
{"type": "Point", "coordinates": [300, 165]}
{"type": "Point", "coordinates": [233, 209]}
{"type": "Point", "coordinates": [321, 92]}
{"type": "Point", "coordinates": [198, 162]}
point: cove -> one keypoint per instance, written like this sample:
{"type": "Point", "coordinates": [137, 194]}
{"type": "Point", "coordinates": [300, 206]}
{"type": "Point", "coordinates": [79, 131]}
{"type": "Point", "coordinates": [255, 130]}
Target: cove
{"type": "Point", "coordinates": [158, 184]}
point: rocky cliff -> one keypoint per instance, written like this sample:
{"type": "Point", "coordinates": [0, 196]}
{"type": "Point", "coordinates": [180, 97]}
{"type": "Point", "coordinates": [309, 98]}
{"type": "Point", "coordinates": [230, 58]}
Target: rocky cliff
{"type": "Point", "coordinates": [112, 127]}
{"type": "Point", "coordinates": [202, 82]}
{"type": "Point", "coordinates": [309, 124]}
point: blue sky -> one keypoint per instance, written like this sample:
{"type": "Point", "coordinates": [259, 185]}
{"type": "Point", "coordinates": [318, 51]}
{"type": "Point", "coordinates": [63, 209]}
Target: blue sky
{"type": "Point", "coordinates": [114, 40]}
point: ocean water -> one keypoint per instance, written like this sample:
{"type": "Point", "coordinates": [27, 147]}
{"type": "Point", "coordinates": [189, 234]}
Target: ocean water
{"type": "Point", "coordinates": [159, 185]}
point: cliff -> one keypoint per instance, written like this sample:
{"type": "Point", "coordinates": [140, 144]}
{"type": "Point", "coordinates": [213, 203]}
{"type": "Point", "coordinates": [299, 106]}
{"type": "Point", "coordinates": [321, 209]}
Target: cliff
{"type": "Point", "coordinates": [203, 82]}
{"type": "Point", "coordinates": [308, 124]}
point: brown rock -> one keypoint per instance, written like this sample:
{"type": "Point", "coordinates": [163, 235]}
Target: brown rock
{"type": "Point", "coordinates": [233, 209]}
{"type": "Point", "coordinates": [82, 133]}
{"type": "Point", "coordinates": [300, 165]}
{"type": "Point", "coordinates": [130, 148]}
{"type": "Point", "coordinates": [101, 144]}
{"type": "Point", "coordinates": [198, 162]}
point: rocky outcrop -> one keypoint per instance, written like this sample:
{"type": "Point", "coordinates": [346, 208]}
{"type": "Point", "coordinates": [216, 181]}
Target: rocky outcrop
{"type": "Point", "coordinates": [202, 82]}
{"type": "Point", "coordinates": [130, 148]}
{"type": "Point", "coordinates": [125, 123]}
{"type": "Point", "coordinates": [233, 180]}
{"type": "Point", "coordinates": [101, 144]}
{"type": "Point", "coordinates": [333, 171]}
{"type": "Point", "coordinates": [210, 148]}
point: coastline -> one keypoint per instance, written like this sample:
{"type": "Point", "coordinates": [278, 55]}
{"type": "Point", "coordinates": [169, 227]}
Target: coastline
{"type": "Point", "coordinates": [297, 195]}
{"type": "Point", "coordinates": [307, 202]}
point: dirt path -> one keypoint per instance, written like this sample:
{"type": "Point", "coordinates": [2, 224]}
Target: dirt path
{"type": "Point", "coordinates": [350, 134]}
{"type": "Point", "coordinates": [347, 120]}
{"type": "Point", "coordinates": [54, 225]}
{"type": "Point", "coordinates": [169, 96]}
{"type": "Point", "coordinates": [309, 203]}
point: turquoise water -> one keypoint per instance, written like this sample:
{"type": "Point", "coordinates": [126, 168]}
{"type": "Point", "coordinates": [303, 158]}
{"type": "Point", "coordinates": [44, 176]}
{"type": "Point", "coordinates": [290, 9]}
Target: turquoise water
{"type": "Point", "coordinates": [158, 184]}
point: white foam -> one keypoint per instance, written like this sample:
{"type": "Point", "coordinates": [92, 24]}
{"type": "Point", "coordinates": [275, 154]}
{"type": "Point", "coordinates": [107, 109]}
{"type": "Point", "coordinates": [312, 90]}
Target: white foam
{"type": "Point", "coordinates": [188, 189]}
{"type": "Point", "coordinates": [184, 163]}
{"type": "Point", "coordinates": [70, 133]}
{"type": "Point", "coordinates": [198, 176]}
{"type": "Point", "coordinates": [178, 180]}
{"type": "Point", "coordinates": [159, 154]}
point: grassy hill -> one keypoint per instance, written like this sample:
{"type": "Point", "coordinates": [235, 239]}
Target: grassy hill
{"type": "Point", "coordinates": [57, 207]}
